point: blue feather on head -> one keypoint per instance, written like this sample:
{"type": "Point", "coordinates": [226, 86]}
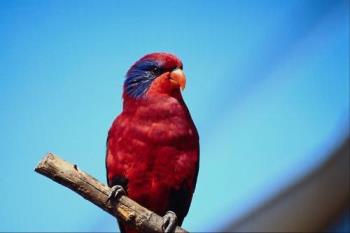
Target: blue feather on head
{"type": "Point", "coordinates": [140, 77]}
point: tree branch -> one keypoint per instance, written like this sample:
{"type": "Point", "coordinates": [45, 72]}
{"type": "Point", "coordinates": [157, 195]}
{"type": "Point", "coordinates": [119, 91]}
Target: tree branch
{"type": "Point", "coordinates": [94, 191]}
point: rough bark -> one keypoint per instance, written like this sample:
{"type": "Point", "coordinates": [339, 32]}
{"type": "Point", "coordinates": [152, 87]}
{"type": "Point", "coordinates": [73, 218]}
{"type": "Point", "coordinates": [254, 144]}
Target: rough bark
{"type": "Point", "coordinates": [91, 189]}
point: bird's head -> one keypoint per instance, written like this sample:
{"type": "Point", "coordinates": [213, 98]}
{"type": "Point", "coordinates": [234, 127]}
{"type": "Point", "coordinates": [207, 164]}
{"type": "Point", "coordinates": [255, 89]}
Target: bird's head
{"type": "Point", "coordinates": [155, 74]}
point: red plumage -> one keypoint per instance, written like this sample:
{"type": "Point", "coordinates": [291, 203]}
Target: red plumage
{"type": "Point", "coordinates": [153, 145]}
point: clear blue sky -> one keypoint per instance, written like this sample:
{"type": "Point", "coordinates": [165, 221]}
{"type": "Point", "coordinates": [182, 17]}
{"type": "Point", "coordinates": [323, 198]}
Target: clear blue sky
{"type": "Point", "coordinates": [268, 88]}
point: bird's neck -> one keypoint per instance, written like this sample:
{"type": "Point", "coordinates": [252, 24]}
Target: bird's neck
{"type": "Point", "coordinates": [157, 102]}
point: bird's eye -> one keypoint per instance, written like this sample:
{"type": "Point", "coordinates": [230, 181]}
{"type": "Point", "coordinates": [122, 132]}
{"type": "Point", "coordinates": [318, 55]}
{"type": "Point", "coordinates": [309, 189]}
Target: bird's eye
{"type": "Point", "coordinates": [156, 70]}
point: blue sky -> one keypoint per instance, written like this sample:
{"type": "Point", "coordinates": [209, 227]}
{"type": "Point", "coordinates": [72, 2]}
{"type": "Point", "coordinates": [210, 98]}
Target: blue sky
{"type": "Point", "coordinates": [267, 86]}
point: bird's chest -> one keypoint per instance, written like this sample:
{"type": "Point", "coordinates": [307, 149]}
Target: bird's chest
{"type": "Point", "coordinates": [160, 145]}
{"type": "Point", "coordinates": [156, 149]}
{"type": "Point", "coordinates": [162, 124]}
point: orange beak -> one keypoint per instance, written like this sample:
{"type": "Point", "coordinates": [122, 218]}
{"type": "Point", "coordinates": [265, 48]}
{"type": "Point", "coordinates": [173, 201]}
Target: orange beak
{"type": "Point", "coordinates": [178, 77]}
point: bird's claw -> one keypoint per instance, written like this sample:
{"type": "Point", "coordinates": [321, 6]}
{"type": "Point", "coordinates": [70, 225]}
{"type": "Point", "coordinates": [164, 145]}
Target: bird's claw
{"type": "Point", "coordinates": [116, 192]}
{"type": "Point", "coordinates": [169, 222]}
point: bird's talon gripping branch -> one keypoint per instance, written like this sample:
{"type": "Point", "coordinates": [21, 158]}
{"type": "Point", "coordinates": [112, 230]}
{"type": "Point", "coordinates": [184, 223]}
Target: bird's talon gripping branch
{"type": "Point", "coordinates": [169, 222]}
{"type": "Point", "coordinates": [116, 192]}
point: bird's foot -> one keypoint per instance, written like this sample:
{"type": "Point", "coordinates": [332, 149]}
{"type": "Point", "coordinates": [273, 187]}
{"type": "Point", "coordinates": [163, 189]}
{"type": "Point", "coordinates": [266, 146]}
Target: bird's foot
{"type": "Point", "coordinates": [169, 222]}
{"type": "Point", "coordinates": [116, 192]}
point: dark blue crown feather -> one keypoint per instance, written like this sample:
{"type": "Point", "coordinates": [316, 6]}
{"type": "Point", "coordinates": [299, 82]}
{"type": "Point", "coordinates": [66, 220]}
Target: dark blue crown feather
{"type": "Point", "coordinates": [140, 77]}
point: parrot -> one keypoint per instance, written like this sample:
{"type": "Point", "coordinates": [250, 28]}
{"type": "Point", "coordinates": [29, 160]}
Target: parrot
{"type": "Point", "coordinates": [152, 153]}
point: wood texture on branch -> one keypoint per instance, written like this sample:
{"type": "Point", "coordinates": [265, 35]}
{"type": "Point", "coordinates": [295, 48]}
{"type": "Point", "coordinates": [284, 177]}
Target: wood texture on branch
{"type": "Point", "coordinates": [91, 189]}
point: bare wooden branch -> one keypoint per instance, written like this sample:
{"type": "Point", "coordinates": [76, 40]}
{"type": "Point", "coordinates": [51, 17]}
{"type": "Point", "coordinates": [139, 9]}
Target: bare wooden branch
{"type": "Point", "coordinates": [96, 192]}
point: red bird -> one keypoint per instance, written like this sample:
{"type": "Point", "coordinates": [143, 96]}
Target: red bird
{"type": "Point", "coordinates": [153, 145]}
